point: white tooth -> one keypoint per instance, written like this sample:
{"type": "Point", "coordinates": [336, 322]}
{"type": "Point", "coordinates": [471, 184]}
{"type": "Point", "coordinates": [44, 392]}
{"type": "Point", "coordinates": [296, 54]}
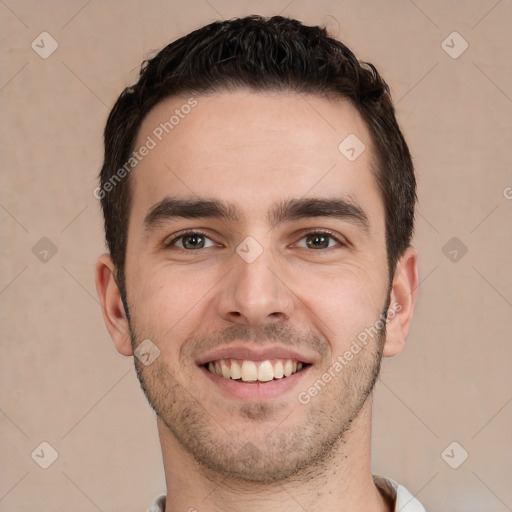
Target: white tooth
{"type": "Point", "coordinates": [225, 369]}
{"type": "Point", "coordinates": [249, 371]}
{"type": "Point", "coordinates": [236, 372]}
{"type": "Point", "coordinates": [211, 367]}
{"type": "Point", "coordinates": [265, 371]}
{"type": "Point", "coordinates": [299, 366]}
{"type": "Point", "coordinates": [288, 368]}
{"type": "Point", "coordinates": [278, 370]}
{"type": "Point", "coordinates": [218, 369]}
{"type": "Point", "coordinates": [294, 365]}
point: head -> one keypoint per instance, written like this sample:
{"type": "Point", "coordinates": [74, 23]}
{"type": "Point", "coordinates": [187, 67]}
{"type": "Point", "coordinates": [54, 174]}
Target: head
{"type": "Point", "coordinates": [251, 161]}
{"type": "Point", "coordinates": [288, 57]}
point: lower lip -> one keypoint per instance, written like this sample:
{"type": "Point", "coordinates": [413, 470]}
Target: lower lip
{"type": "Point", "coordinates": [254, 391]}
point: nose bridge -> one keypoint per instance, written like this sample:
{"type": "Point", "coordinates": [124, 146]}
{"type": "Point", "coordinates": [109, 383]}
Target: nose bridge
{"type": "Point", "coordinates": [257, 274]}
{"type": "Point", "coordinates": [255, 291]}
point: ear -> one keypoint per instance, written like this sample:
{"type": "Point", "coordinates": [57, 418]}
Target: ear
{"type": "Point", "coordinates": [403, 297]}
{"type": "Point", "coordinates": [112, 305]}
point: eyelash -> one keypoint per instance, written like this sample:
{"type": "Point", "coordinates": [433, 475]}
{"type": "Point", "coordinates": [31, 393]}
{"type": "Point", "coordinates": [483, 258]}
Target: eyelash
{"type": "Point", "coordinates": [184, 234]}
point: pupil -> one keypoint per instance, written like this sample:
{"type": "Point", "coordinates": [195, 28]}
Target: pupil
{"type": "Point", "coordinates": [318, 241]}
{"type": "Point", "coordinates": [193, 241]}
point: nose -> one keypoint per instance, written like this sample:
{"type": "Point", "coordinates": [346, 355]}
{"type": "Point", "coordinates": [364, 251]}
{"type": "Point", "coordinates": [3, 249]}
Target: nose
{"type": "Point", "coordinates": [255, 293]}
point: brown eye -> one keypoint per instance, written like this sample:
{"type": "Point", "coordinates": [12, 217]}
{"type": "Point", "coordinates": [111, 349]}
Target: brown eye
{"type": "Point", "coordinates": [319, 240]}
{"type": "Point", "coordinates": [191, 241]}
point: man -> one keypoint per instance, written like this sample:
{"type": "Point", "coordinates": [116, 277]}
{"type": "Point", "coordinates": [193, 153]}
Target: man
{"type": "Point", "coordinates": [259, 202]}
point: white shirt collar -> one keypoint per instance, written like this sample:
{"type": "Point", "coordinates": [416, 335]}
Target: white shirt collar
{"type": "Point", "coordinates": [404, 500]}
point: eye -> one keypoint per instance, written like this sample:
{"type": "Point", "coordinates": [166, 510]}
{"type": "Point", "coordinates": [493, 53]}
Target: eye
{"type": "Point", "coordinates": [191, 240]}
{"type": "Point", "coordinates": [320, 240]}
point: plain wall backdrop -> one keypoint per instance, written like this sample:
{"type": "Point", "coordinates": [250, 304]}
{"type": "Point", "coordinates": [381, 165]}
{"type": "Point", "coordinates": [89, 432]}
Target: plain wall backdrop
{"type": "Point", "coordinates": [61, 380]}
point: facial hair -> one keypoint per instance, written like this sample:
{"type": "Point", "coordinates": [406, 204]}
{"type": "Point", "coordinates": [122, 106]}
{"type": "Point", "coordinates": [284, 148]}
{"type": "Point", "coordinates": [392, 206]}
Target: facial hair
{"type": "Point", "coordinates": [270, 444]}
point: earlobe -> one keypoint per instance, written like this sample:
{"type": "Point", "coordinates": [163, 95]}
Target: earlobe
{"type": "Point", "coordinates": [112, 305]}
{"type": "Point", "coordinates": [403, 298]}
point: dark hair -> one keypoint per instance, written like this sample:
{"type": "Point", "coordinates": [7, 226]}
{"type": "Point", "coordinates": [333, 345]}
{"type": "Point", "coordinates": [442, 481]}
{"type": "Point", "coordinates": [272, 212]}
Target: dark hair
{"type": "Point", "coordinates": [260, 54]}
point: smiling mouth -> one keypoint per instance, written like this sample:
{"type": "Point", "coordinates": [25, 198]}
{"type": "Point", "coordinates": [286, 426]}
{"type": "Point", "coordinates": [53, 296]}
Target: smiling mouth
{"type": "Point", "coordinates": [255, 371]}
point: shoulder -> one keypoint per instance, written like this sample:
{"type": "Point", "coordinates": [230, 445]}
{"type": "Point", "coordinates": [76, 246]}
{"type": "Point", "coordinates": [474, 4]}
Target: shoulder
{"type": "Point", "coordinates": [158, 504]}
{"type": "Point", "coordinates": [404, 501]}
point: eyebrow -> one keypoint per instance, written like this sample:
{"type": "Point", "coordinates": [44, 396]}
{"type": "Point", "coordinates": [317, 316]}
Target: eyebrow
{"type": "Point", "coordinates": [171, 208]}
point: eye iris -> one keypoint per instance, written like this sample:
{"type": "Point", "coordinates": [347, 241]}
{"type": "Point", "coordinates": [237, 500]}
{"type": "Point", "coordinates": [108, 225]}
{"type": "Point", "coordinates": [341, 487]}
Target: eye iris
{"type": "Point", "coordinates": [193, 241]}
{"type": "Point", "coordinates": [317, 241]}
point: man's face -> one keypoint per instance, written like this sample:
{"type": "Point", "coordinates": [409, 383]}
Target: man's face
{"type": "Point", "coordinates": [292, 273]}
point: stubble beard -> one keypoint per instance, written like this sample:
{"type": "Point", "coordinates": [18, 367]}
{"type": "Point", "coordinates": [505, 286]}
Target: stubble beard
{"type": "Point", "coordinates": [256, 453]}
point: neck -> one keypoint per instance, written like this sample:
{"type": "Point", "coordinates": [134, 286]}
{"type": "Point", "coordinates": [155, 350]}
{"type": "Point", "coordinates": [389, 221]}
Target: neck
{"type": "Point", "coordinates": [343, 483]}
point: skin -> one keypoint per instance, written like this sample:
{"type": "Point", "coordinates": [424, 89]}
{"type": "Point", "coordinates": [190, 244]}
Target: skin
{"type": "Point", "coordinates": [254, 150]}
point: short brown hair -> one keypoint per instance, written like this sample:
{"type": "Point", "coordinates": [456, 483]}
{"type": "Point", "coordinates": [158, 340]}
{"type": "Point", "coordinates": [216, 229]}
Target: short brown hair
{"type": "Point", "coordinates": [260, 54]}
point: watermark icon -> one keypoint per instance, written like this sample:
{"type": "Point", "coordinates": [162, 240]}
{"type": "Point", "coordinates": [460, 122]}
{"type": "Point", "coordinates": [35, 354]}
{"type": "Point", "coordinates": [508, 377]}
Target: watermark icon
{"type": "Point", "coordinates": [507, 192]}
{"type": "Point", "coordinates": [358, 344]}
{"type": "Point", "coordinates": [249, 249]}
{"type": "Point", "coordinates": [44, 45]}
{"type": "Point", "coordinates": [146, 352]}
{"type": "Point", "coordinates": [351, 147]}
{"type": "Point", "coordinates": [332, 25]}
{"type": "Point", "coordinates": [454, 45]}
{"type": "Point", "coordinates": [250, 453]}
{"type": "Point", "coordinates": [157, 135]}
{"type": "Point", "coordinates": [454, 249]}
{"type": "Point", "coordinates": [44, 250]}
{"type": "Point", "coordinates": [454, 455]}
{"type": "Point", "coordinates": [44, 455]}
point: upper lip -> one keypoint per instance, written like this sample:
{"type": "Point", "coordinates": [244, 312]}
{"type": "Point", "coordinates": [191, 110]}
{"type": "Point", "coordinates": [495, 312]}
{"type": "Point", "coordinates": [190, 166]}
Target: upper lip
{"type": "Point", "coordinates": [252, 354]}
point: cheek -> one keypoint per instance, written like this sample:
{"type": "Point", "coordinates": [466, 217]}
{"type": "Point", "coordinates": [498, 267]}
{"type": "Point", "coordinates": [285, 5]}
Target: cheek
{"type": "Point", "coordinates": [169, 305]}
{"type": "Point", "coordinates": [343, 304]}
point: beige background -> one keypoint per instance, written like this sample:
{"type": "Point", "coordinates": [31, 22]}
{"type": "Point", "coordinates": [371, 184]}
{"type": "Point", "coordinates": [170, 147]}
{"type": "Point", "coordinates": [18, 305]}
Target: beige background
{"type": "Point", "coordinates": [62, 380]}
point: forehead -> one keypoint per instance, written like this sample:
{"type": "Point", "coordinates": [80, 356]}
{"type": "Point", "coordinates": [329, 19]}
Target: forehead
{"type": "Point", "coordinates": [252, 149]}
